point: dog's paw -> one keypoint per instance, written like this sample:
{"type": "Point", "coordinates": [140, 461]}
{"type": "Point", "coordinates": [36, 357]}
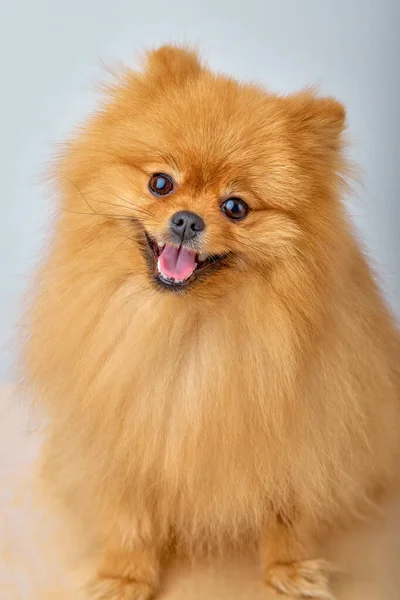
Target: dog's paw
{"type": "Point", "coordinates": [302, 579]}
{"type": "Point", "coordinates": [119, 589]}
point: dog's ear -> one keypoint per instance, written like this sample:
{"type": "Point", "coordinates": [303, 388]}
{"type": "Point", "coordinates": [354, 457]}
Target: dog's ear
{"type": "Point", "coordinates": [172, 65]}
{"type": "Point", "coordinates": [324, 118]}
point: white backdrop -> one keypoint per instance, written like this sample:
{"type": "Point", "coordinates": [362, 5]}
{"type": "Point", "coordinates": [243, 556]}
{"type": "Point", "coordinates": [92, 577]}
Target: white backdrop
{"type": "Point", "coordinates": [51, 56]}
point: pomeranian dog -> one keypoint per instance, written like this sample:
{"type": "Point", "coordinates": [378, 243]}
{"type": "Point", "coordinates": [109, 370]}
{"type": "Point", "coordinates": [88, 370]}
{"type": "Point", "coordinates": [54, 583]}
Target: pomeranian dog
{"type": "Point", "coordinates": [218, 368]}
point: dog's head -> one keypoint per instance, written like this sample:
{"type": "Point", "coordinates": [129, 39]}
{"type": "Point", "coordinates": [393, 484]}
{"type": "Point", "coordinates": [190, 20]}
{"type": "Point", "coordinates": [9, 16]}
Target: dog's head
{"type": "Point", "coordinates": [198, 181]}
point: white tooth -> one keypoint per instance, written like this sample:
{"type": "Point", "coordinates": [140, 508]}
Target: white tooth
{"type": "Point", "coordinates": [195, 265]}
{"type": "Point", "coordinates": [161, 244]}
{"type": "Point", "coordinates": [202, 257]}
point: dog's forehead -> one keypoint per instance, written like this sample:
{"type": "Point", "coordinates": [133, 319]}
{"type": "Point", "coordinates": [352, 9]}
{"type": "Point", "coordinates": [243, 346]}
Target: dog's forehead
{"type": "Point", "coordinates": [227, 108]}
{"type": "Point", "coordinates": [211, 123]}
{"type": "Point", "coordinates": [211, 146]}
{"type": "Point", "coordinates": [213, 132]}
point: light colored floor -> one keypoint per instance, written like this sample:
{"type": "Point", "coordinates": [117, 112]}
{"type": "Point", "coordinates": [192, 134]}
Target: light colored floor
{"type": "Point", "coordinates": [31, 569]}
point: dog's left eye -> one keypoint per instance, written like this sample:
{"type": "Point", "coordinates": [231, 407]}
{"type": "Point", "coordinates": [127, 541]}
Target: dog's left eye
{"type": "Point", "coordinates": [235, 208]}
{"type": "Point", "coordinates": [161, 184]}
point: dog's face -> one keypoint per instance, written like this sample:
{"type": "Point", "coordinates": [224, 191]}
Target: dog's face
{"type": "Point", "coordinates": [211, 181]}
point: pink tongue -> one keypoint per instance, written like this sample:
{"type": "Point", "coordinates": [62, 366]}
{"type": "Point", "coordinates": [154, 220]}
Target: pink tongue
{"type": "Point", "coordinates": [176, 263]}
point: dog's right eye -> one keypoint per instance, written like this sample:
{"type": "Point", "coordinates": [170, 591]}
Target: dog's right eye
{"type": "Point", "coordinates": [161, 184]}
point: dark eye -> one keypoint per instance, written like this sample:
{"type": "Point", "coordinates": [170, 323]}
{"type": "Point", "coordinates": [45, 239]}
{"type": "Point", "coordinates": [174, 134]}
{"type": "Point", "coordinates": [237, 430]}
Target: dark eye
{"type": "Point", "coordinates": [161, 184]}
{"type": "Point", "coordinates": [235, 208]}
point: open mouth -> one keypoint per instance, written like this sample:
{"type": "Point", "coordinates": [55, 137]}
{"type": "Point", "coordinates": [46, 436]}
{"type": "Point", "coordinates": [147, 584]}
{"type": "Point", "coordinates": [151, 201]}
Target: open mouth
{"type": "Point", "coordinates": [176, 267]}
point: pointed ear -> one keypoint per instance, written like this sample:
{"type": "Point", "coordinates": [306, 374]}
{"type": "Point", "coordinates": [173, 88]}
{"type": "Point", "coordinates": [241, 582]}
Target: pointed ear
{"type": "Point", "coordinates": [172, 64]}
{"type": "Point", "coordinates": [324, 117]}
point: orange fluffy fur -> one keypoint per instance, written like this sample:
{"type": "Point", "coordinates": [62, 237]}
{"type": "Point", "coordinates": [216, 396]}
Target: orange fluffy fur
{"type": "Point", "coordinates": [260, 407]}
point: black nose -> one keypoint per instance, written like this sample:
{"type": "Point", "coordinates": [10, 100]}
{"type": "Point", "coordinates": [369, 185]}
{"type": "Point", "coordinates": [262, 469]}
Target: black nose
{"type": "Point", "coordinates": [186, 225]}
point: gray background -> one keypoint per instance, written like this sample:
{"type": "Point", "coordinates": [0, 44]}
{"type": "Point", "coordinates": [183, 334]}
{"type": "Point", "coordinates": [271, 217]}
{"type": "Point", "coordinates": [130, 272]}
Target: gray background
{"type": "Point", "coordinates": [51, 57]}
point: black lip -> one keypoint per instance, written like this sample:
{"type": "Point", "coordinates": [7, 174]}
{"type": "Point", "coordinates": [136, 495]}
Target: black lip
{"type": "Point", "coordinates": [212, 263]}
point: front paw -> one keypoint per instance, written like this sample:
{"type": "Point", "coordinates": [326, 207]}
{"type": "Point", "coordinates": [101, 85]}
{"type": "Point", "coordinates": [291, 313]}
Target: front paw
{"type": "Point", "coordinates": [104, 588]}
{"type": "Point", "coordinates": [302, 579]}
